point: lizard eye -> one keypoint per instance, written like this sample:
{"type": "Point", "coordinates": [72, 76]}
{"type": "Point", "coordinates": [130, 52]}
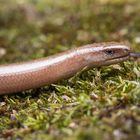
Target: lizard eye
{"type": "Point", "coordinates": [109, 52]}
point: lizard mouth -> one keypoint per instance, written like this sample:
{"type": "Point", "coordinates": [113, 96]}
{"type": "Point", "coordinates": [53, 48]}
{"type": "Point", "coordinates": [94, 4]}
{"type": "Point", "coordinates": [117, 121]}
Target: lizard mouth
{"type": "Point", "coordinates": [117, 59]}
{"type": "Point", "coordinates": [123, 58]}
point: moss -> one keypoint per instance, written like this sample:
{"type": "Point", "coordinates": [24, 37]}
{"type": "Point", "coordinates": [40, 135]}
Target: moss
{"type": "Point", "coordinates": [100, 103]}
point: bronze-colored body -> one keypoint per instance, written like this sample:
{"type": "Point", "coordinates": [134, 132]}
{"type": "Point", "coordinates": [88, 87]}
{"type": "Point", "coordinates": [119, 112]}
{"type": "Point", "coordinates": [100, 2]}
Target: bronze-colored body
{"type": "Point", "coordinates": [36, 73]}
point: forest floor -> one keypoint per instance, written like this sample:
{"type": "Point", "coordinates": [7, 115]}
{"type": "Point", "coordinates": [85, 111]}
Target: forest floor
{"type": "Point", "coordinates": [101, 103]}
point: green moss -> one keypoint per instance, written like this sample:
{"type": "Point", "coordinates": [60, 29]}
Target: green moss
{"type": "Point", "coordinates": [100, 103]}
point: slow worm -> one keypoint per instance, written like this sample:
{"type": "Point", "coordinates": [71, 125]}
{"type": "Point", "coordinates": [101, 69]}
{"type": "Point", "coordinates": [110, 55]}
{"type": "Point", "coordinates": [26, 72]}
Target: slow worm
{"type": "Point", "coordinates": [36, 73]}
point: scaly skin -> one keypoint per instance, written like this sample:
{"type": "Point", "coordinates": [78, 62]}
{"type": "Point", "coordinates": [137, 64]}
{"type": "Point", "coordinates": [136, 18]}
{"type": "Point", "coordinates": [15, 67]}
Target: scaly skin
{"type": "Point", "coordinates": [36, 73]}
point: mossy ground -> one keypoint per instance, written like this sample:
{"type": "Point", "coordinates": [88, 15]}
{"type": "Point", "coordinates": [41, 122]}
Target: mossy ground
{"type": "Point", "coordinates": [101, 103]}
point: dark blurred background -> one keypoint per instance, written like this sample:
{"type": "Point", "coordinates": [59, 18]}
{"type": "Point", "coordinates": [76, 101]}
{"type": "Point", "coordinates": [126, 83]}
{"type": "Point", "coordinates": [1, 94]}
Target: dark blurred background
{"type": "Point", "coordinates": [36, 28]}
